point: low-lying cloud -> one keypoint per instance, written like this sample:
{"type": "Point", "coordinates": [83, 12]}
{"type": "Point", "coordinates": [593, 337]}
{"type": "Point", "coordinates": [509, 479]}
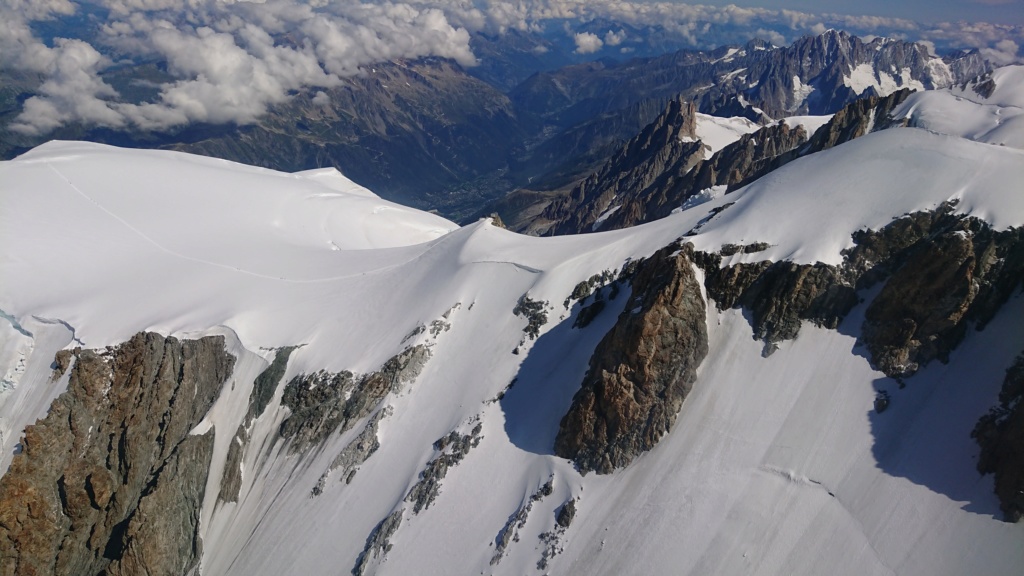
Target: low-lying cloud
{"type": "Point", "coordinates": [231, 61]}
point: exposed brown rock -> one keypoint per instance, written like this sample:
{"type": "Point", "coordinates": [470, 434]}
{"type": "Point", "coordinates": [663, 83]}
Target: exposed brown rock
{"type": "Point", "coordinates": [162, 535]}
{"type": "Point", "coordinates": [641, 370]}
{"type": "Point", "coordinates": [111, 480]}
{"type": "Point", "coordinates": [941, 271]}
{"type": "Point", "coordinates": [946, 272]}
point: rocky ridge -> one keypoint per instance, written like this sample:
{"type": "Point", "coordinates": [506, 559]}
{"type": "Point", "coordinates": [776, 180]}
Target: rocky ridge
{"type": "Point", "coordinates": [815, 75]}
{"type": "Point", "coordinates": [451, 450]}
{"type": "Point", "coordinates": [940, 273]}
{"type": "Point", "coordinates": [666, 144]}
{"type": "Point", "coordinates": [630, 190]}
{"type": "Point", "coordinates": [111, 481]}
{"type": "Point", "coordinates": [324, 402]}
{"type": "Point", "coordinates": [641, 370]}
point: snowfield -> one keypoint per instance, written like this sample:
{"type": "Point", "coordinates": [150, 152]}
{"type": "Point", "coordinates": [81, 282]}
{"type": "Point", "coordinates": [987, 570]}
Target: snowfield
{"type": "Point", "coordinates": [776, 465]}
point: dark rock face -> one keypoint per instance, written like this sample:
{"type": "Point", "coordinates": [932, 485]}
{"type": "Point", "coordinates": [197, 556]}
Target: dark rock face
{"type": "Point", "coordinates": [353, 455]}
{"type": "Point", "coordinates": [1000, 433]}
{"type": "Point", "coordinates": [940, 272]}
{"type": "Point", "coordinates": [452, 449]}
{"type": "Point", "coordinates": [509, 533]}
{"type": "Point", "coordinates": [266, 383]}
{"type": "Point", "coordinates": [953, 270]}
{"type": "Point", "coordinates": [641, 370]}
{"type": "Point", "coordinates": [162, 536]}
{"type": "Point", "coordinates": [735, 165]}
{"type": "Point", "coordinates": [779, 295]}
{"type": "Point", "coordinates": [919, 314]}
{"type": "Point", "coordinates": [658, 148]}
{"type": "Point", "coordinates": [231, 482]}
{"type": "Point", "coordinates": [857, 119]}
{"type": "Point", "coordinates": [110, 482]}
{"type": "Point", "coordinates": [324, 402]}
{"type": "Point", "coordinates": [378, 543]}
{"type": "Point", "coordinates": [651, 187]}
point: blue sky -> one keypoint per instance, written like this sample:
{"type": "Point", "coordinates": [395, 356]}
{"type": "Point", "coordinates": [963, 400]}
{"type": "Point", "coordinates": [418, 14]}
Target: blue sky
{"type": "Point", "coordinates": [928, 11]}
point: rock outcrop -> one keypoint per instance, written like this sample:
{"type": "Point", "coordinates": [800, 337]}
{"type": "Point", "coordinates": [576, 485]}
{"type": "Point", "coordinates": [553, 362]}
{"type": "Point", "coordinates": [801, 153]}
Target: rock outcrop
{"type": "Point", "coordinates": [324, 402]}
{"type": "Point", "coordinates": [1000, 433]}
{"type": "Point", "coordinates": [779, 295]}
{"type": "Point", "coordinates": [666, 145]}
{"type": "Point", "coordinates": [231, 481]}
{"type": "Point", "coordinates": [941, 271]}
{"type": "Point", "coordinates": [265, 385]}
{"type": "Point", "coordinates": [641, 370]}
{"type": "Point", "coordinates": [509, 533]}
{"type": "Point", "coordinates": [378, 543]}
{"type": "Point", "coordinates": [946, 271]}
{"type": "Point", "coordinates": [451, 450]}
{"type": "Point", "coordinates": [355, 453]}
{"type": "Point", "coordinates": [111, 482]}
{"type": "Point", "coordinates": [754, 155]}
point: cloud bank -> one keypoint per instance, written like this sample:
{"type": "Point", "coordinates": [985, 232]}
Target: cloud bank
{"type": "Point", "coordinates": [229, 60]}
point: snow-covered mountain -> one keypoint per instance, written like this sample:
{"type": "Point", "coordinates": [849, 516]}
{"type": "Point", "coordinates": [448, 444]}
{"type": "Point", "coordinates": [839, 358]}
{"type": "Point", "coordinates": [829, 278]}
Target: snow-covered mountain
{"type": "Point", "coordinates": [780, 380]}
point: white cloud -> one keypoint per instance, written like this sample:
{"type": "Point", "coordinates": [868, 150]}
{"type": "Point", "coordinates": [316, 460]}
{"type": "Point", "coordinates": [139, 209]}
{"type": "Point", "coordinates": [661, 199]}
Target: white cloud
{"type": "Point", "coordinates": [1004, 52]}
{"type": "Point", "coordinates": [72, 92]}
{"type": "Point", "coordinates": [770, 35]}
{"type": "Point", "coordinates": [615, 38]}
{"type": "Point", "coordinates": [587, 43]}
{"type": "Point", "coordinates": [321, 99]}
{"type": "Point", "coordinates": [232, 59]}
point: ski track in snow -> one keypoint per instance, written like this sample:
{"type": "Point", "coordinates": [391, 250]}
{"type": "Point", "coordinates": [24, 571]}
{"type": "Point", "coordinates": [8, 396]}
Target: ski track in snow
{"type": "Point", "coordinates": [516, 265]}
{"type": "Point", "coordinates": [237, 269]}
{"type": "Point", "coordinates": [800, 480]}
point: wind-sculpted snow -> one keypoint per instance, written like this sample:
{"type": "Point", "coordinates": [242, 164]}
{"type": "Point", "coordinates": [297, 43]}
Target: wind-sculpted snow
{"type": "Point", "coordinates": [989, 109]}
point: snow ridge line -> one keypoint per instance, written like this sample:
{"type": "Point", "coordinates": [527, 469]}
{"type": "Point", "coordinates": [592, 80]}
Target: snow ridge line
{"type": "Point", "coordinates": [168, 251]}
{"type": "Point", "coordinates": [74, 336]}
{"type": "Point", "coordinates": [517, 265]}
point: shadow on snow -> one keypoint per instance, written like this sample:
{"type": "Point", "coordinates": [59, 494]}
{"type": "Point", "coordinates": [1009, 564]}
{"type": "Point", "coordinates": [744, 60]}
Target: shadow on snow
{"type": "Point", "coordinates": [552, 373]}
{"type": "Point", "coordinates": [925, 433]}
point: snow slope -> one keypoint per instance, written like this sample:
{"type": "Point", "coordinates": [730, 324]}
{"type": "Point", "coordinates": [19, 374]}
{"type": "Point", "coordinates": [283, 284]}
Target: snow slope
{"type": "Point", "coordinates": [777, 465]}
{"type": "Point", "coordinates": [994, 119]}
{"type": "Point", "coordinates": [717, 133]}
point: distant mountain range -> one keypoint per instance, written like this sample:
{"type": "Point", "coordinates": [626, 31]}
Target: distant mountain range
{"type": "Point", "coordinates": [431, 134]}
